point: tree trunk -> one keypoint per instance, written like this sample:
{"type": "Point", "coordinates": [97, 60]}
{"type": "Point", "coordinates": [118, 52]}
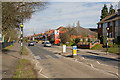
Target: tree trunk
{"type": "Point", "coordinates": [9, 39]}
{"type": "Point", "coordinates": [3, 37]}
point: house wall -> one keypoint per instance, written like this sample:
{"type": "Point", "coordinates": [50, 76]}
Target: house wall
{"type": "Point", "coordinates": [111, 33]}
{"type": "Point", "coordinates": [114, 29]}
{"type": "Point", "coordinates": [100, 30]}
{"type": "Point", "coordinates": [119, 27]}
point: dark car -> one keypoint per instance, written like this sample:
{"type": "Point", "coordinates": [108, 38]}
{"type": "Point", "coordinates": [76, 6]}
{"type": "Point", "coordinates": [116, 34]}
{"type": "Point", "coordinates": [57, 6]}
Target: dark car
{"type": "Point", "coordinates": [31, 43]}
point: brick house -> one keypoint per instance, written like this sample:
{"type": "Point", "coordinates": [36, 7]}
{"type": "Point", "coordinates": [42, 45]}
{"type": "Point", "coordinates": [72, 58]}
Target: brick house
{"type": "Point", "coordinates": [111, 21]}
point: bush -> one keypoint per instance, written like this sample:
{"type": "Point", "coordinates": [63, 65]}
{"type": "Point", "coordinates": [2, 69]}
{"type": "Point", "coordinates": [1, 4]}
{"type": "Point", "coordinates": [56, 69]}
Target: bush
{"type": "Point", "coordinates": [118, 40]}
{"type": "Point", "coordinates": [52, 40]}
{"type": "Point", "coordinates": [77, 40]}
{"type": "Point", "coordinates": [97, 47]}
{"type": "Point", "coordinates": [104, 38]}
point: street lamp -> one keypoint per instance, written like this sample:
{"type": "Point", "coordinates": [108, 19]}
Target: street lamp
{"type": "Point", "coordinates": [21, 25]}
{"type": "Point", "coordinates": [107, 39]}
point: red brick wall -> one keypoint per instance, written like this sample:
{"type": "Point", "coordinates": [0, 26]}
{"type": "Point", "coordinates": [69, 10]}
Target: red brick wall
{"type": "Point", "coordinates": [112, 29]}
{"type": "Point", "coordinates": [100, 30]}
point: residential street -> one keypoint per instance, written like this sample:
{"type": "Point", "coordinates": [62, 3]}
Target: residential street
{"type": "Point", "coordinates": [57, 40]}
{"type": "Point", "coordinates": [57, 66]}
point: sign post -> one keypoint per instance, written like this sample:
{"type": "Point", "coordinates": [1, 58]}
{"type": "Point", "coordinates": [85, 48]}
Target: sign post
{"type": "Point", "coordinates": [57, 38]}
{"type": "Point", "coordinates": [74, 51]}
{"type": "Point", "coordinates": [107, 39]}
{"type": "Point", "coordinates": [64, 48]}
{"type": "Point", "coordinates": [21, 25]}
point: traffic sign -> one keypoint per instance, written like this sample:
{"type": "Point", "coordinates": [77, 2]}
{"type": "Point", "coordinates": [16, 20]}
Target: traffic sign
{"type": "Point", "coordinates": [74, 50]}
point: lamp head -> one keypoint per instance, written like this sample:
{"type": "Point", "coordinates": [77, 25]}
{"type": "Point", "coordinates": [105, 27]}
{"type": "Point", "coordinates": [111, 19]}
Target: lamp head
{"type": "Point", "coordinates": [107, 28]}
{"type": "Point", "coordinates": [21, 25]}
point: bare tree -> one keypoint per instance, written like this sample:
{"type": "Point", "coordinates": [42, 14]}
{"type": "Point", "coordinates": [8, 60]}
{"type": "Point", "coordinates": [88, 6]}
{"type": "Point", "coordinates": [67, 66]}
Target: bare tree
{"type": "Point", "coordinates": [13, 13]}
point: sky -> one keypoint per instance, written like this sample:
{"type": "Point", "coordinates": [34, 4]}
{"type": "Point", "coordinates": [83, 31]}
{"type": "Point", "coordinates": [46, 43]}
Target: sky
{"type": "Point", "coordinates": [58, 14]}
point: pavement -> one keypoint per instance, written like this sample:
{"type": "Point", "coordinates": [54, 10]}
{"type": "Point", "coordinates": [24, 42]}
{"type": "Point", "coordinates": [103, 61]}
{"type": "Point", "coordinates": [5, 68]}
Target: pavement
{"type": "Point", "coordinates": [53, 65]}
{"type": "Point", "coordinates": [10, 61]}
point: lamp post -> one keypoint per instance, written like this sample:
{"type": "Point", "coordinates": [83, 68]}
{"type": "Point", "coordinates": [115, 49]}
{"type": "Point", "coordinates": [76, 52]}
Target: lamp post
{"type": "Point", "coordinates": [21, 25]}
{"type": "Point", "coordinates": [107, 39]}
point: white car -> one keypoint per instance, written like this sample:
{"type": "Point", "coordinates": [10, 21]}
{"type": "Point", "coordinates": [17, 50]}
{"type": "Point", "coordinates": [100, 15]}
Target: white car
{"type": "Point", "coordinates": [47, 44]}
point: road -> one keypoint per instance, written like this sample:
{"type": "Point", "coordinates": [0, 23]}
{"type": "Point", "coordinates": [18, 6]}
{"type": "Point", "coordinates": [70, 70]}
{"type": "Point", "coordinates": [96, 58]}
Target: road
{"type": "Point", "coordinates": [55, 66]}
{"type": "Point", "coordinates": [101, 59]}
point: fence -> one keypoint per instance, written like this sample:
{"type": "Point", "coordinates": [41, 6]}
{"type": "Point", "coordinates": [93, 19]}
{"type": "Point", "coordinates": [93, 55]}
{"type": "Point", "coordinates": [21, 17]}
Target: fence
{"type": "Point", "coordinates": [5, 44]}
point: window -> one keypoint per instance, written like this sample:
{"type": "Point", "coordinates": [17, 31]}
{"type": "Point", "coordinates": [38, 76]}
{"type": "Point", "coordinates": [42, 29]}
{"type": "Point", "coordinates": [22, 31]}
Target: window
{"type": "Point", "coordinates": [110, 35]}
{"type": "Point", "coordinates": [99, 25]}
{"type": "Point", "coordinates": [111, 23]}
{"type": "Point", "coordinates": [105, 25]}
{"type": "Point", "coordinates": [116, 22]}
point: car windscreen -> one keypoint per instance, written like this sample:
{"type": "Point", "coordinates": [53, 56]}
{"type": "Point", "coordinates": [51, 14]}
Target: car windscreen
{"type": "Point", "coordinates": [47, 43]}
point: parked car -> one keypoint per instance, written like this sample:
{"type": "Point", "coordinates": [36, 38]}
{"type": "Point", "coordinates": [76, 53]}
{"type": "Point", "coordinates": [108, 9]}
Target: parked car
{"type": "Point", "coordinates": [47, 44]}
{"type": "Point", "coordinates": [31, 43]}
{"type": "Point", "coordinates": [43, 42]}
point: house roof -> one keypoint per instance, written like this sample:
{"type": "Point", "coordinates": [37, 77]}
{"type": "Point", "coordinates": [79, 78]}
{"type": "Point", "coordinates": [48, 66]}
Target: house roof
{"type": "Point", "coordinates": [110, 18]}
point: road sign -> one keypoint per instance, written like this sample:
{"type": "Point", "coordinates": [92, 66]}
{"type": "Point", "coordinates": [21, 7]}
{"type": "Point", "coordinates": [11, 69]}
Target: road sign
{"type": "Point", "coordinates": [74, 50]}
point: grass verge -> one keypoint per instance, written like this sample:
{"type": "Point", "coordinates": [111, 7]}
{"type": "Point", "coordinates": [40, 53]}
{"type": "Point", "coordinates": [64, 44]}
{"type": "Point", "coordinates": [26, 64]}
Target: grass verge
{"type": "Point", "coordinates": [24, 70]}
{"type": "Point", "coordinates": [25, 52]}
{"type": "Point", "coordinates": [7, 48]}
{"type": "Point", "coordinates": [97, 47]}
{"type": "Point", "coordinates": [113, 50]}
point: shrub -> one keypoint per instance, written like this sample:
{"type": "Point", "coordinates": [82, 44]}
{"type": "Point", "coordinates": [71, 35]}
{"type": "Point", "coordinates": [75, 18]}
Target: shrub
{"type": "Point", "coordinates": [52, 40]}
{"type": "Point", "coordinates": [77, 40]}
{"type": "Point", "coordinates": [118, 40]}
{"type": "Point", "coordinates": [97, 47]}
{"type": "Point", "coordinates": [104, 40]}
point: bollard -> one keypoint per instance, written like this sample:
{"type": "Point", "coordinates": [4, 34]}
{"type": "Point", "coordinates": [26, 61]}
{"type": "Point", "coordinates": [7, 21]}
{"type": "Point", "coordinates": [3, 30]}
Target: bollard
{"type": "Point", "coordinates": [74, 52]}
{"type": "Point", "coordinates": [64, 49]}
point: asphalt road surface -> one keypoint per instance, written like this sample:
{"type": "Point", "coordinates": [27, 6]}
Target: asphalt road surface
{"type": "Point", "coordinates": [103, 60]}
{"type": "Point", "coordinates": [54, 66]}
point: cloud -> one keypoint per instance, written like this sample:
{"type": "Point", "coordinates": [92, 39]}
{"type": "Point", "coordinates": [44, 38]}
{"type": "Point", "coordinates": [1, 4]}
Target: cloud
{"type": "Point", "coordinates": [61, 14]}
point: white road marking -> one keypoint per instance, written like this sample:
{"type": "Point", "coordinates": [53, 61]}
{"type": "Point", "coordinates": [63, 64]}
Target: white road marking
{"type": "Point", "coordinates": [91, 65]}
{"type": "Point", "coordinates": [37, 64]}
{"type": "Point", "coordinates": [83, 58]}
{"type": "Point", "coordinates": [42, 74]}
{"type": "Point", "coordinates": [75, 60]}
{"type": "Point", "coordinates": [40, 70]}
{"type": "Point", "coordinates": [37, 57]}
{"type": "Point", "coordinates": [118, 75]}
{"type": "Point", "coordinates": [98, 62]}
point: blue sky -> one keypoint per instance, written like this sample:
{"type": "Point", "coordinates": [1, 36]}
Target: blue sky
{"type": "Point", "coordinates": [63, 14]}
